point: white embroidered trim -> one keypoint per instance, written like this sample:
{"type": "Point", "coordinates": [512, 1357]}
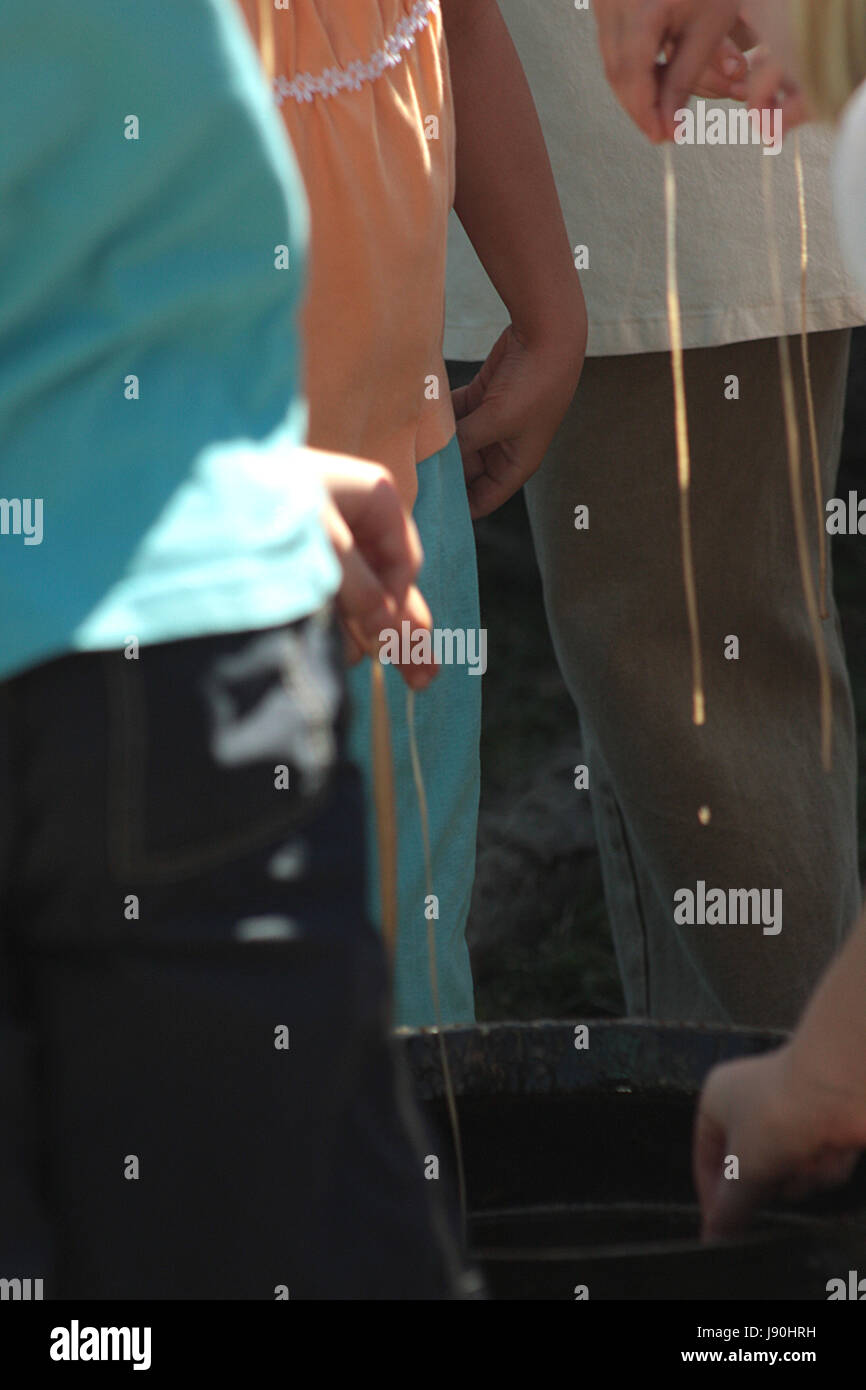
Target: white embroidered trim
{"type": "Point", "coordinates": [350, 79]}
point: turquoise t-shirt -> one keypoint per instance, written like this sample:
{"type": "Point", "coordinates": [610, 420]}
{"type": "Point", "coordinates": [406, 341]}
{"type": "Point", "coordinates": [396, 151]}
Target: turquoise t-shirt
{"type": "Point", "coordinates": [152, 239]}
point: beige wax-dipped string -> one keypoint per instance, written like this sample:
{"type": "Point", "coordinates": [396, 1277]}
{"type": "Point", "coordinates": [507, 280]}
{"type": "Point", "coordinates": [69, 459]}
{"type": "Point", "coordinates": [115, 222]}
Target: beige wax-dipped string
{"type": "Point", "coordinates": [450, 1097]}
{"type": "Point", "coordinates": [823, 596]}
{"type": "Point", "coordinates": [383, 800]}
{"type": "Point", "coordinates": [386, 838]}
{"type": "Point", "coordinates": [383, 789]}
{"type": "Point", "coordinates": [792, 434]}
{"type": "Point", "coordinates": [386, 835]}
{"type": "Point", "coordinates": [792, 437]}
{"type": "Point", "coordinates": [682, 439]}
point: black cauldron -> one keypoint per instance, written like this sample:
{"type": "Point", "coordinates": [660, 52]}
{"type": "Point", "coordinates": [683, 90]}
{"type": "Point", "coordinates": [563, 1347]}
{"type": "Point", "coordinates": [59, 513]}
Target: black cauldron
{"type": "Point", "coordinates": [578, 1166]}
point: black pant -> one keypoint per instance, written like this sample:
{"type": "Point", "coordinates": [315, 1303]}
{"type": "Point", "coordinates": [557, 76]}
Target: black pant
{"type": "Point", "coordinates": [172, 916]}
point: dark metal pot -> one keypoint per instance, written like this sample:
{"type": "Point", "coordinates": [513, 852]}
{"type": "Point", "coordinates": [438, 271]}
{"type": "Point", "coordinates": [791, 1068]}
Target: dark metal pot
{"type": "Point", "coordinates": [578, 1167]}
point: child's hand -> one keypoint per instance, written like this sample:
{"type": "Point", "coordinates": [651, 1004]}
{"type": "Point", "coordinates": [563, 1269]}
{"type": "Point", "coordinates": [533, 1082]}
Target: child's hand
{"type": "Point", "coordinates": [770, 86]}
{"type": "Point", "coordinates": [631, 36]}
{"type": "Point", "coordinates": [380, 552]}
{"type": "Point", "coordinates": [726, 75]}
{"type": "Point", "coordinates": [790, 1132]}
{"type": "Point", "coordinates": [507, 416]}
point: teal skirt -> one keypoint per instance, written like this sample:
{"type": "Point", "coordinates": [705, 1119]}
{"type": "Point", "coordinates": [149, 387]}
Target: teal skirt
{"type": "Point", "coordinates": [448, 729]}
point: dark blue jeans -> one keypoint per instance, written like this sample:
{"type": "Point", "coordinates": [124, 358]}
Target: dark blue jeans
{"type": "Point", "coordinates": [198, 1098]}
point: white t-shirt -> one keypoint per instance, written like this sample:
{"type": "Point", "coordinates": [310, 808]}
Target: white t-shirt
{"type": "Point", "coordinates": [611, 184]}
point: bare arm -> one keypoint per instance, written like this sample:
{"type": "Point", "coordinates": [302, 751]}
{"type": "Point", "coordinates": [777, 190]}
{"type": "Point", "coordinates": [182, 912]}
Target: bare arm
{"type": "Point", "coordinates": [507, 201]}
{"type": "Point", "coordinates": [506, 196]}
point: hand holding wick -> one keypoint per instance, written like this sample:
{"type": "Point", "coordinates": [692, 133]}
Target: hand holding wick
{"type": "Point", "coordinates": [379, 550]}
{"type": "Point", "coordinates": [691, 34]}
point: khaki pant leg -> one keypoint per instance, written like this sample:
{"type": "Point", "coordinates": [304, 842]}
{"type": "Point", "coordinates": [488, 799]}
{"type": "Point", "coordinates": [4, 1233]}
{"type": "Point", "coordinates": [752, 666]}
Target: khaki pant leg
{"type": "Point", "coordinates": [615, 603]}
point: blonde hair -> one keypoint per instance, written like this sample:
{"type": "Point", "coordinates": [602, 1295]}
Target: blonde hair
{"type": "Point", "coordinates": [831, 41]}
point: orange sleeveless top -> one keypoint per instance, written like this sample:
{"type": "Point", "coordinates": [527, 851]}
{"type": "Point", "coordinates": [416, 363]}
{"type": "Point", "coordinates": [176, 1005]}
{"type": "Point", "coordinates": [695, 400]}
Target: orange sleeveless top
{"type": "Point", "coordinates": [365, 94]}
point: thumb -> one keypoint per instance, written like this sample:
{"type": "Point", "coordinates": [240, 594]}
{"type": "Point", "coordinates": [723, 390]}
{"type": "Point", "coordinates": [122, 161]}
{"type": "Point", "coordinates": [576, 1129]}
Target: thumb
{"type": "Point", "coordinates": [729, 1207]}
{"type": "Point", "coordinates": [487, 424]}
{"type": "Point", "coordinates": [729, 61]}
{"type": "Point", "coordinates": [725, 1202]}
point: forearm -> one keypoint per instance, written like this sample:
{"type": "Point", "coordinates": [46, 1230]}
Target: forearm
{"type": "Point", "coordinates": [506, 197]}
{"type": "Point", "coordinates": [829, 1045]}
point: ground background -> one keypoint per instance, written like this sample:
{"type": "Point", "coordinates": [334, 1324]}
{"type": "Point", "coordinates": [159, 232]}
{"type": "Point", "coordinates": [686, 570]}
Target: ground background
{"type": "Point", "coordinates": [538, 928]}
